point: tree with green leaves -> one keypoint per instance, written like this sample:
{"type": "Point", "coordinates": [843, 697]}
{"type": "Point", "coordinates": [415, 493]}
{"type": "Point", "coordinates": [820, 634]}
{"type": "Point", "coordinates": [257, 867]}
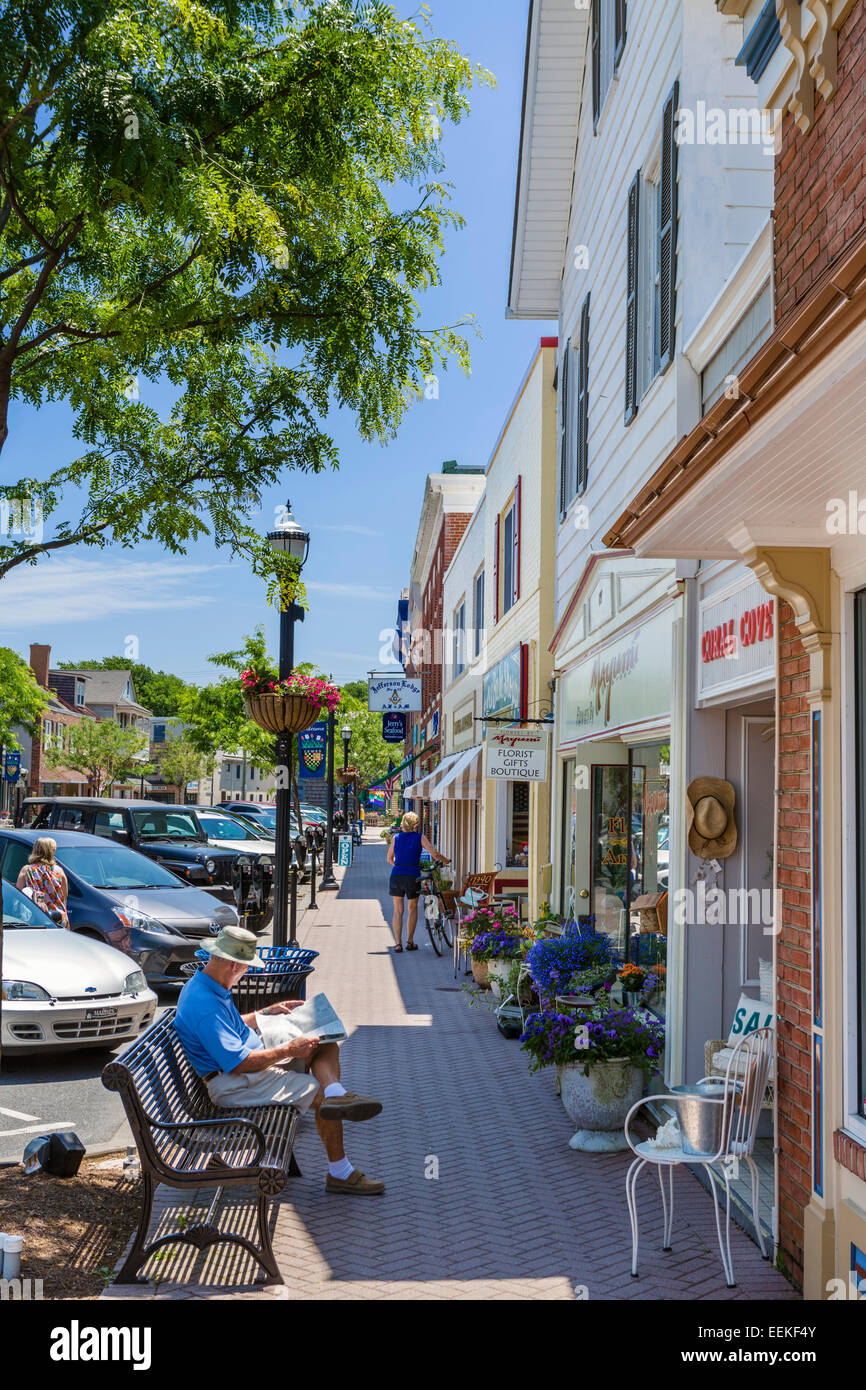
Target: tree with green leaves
{"type": "Point", "coordinates": [105, 752]}
{"type": "Point", "coordinates": [239, 200]}
{"type": "Point", "coordinates": [22, 699]}
{"type": "Point", "coordinates": [181, 762]}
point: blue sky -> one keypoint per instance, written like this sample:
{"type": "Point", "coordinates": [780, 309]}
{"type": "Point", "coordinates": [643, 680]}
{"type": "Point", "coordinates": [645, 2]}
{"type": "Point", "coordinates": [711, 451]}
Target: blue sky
{"type": "Point", "coordinates": [176, 611]}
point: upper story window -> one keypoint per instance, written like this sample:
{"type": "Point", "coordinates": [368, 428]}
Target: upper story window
{"type": "Point", "coordinates": [506, 578]}
{"type": "Point", "coordinates": [159, 733]}
{"type": "Point", "coordinates": [574, 415]}
{"type": "Point", "coordinates": [460, 640]}
{"type": "Point", "coordinates": [79, 692]}
{"type": "Point", "coordinates": [651, 276]}
{"type": "Point", "coordinates": [608, 44]}
{"type": "Point", "coordinates": [478, 617]}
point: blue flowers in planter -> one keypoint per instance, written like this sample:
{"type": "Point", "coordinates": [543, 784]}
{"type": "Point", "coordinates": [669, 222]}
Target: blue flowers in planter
{"type": "Point", "coordinates": [552, 963]}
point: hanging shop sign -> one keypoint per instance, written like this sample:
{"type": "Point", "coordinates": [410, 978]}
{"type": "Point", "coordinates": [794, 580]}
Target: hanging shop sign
{"type": "Point", "coordinates": [515, 755]}
{"type": "Point", "coordinates": [394, 728]}
{"type": "Point", "coordinates": [624, 683]}
{"type": "Point", "coordinates": [393, 695]}
{"type": "Point", "coordinates": [737, 642]}
{"type": "Point", "coordinates": [313, 751]}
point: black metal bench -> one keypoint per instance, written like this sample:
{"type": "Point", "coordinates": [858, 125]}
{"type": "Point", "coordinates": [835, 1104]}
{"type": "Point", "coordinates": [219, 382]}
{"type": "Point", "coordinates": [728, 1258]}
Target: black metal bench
{"type": "Point", "coordinates": [185, 1141]}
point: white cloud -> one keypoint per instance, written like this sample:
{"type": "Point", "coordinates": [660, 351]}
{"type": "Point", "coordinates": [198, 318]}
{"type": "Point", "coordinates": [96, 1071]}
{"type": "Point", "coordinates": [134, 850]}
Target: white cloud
{"type": "Point", "coordinates": [364, 591]}
{"type": "Point", "coordinates": [351, 530]}
{"type": "Point", "coordinates": [80, 591]}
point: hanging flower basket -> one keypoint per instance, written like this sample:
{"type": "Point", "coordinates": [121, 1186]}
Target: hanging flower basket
{"type": "Point", "coordinates": [289, 706]}
{"type": "Point", "coordinates": [345, 776]}
{"type": "Point", "coordinates": [281, 714]}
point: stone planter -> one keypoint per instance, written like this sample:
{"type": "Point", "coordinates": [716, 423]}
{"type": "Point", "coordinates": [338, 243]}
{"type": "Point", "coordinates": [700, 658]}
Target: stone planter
{"type": "Point", "coordinates": [481, 972]}
{"type": "Point", "coordinates": [598, 1104]}
{"type": "Point", "coordinates": [281, 714]}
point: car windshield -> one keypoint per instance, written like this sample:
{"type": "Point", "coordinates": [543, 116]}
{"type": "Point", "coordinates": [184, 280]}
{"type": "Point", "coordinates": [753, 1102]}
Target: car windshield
{"type": "Point", "coordinates": [21, 911]}
{"type": "Point", "coordinates": [224, 828]}
{"type": "Point", "coordinates": [264, 824]}
{"type": "Point", "coordinates": [170, 824]}
{"type": "Point", "coordinates": [115, 866]}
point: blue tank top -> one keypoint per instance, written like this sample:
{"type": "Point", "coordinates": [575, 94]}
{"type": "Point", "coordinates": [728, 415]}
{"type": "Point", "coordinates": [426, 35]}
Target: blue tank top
{"type": "Point", "coordinates": [407, 852]}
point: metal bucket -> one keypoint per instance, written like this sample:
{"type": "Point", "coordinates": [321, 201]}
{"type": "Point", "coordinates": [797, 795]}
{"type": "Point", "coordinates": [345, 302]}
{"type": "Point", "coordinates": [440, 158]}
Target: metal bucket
{"type": "Point", "coordinates": [700, 1123]}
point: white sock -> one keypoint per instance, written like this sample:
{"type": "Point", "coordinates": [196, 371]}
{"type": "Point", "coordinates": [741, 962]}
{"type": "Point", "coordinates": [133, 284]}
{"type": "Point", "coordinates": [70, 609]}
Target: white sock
{"type": "Point", "coordinates": [341, 1169]}
{"type": "Point", "coordinates": [335, 1089]}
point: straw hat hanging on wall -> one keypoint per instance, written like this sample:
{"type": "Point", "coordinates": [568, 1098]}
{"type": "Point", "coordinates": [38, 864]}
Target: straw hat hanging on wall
{"type": "Point", "coordinates": [710, 814]}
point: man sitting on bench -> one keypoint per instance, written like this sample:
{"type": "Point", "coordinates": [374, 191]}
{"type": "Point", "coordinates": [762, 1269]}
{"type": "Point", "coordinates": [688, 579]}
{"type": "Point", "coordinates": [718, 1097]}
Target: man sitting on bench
{"type": "Point", "coordinates": [227, 1052]}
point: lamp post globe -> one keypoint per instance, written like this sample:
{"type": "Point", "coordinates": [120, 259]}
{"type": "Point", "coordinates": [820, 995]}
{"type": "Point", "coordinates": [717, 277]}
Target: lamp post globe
{"type": "Point", "coordinates": [287, 538]}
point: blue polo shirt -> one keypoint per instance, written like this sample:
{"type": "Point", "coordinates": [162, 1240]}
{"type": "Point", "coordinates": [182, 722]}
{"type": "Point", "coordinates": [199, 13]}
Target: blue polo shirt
{"type": "Point", "coordinates": [212, 1031]}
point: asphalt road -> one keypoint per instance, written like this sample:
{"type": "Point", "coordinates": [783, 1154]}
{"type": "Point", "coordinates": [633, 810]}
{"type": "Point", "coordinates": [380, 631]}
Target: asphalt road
{"type": "Point", "coordinates": [62, 1091]}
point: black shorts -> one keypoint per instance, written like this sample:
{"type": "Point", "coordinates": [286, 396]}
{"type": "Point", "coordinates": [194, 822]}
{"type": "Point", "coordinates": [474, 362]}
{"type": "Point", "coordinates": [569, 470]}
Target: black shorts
{"type": "Point", "coordinates": [404, 886]}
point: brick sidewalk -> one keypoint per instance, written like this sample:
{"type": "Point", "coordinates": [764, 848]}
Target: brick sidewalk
{"type": "Point", "coordinates": [514, 1212]}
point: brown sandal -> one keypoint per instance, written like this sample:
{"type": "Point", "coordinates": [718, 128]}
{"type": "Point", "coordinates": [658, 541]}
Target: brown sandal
{"type": "Point", "coordinates": [398, 950]}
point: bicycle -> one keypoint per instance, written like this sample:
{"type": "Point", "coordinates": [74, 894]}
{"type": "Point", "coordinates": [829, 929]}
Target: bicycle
{"type": "Point", "coordinates": [436, 916]}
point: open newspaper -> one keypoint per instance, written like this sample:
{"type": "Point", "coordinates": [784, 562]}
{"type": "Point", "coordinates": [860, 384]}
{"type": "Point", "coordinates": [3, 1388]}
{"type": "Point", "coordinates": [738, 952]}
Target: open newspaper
{"type": "Point", "coordinates": [314, 1019]}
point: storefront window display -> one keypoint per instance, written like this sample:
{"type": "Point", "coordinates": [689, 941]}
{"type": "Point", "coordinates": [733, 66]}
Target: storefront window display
{"type": "Point", "coordinates": [517, 845]}
{"type": "Point", "coordinates": [628, 862]}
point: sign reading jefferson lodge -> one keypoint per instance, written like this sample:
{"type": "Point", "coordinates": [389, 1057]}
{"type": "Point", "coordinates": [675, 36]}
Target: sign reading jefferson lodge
{"type": "Point", "coordinates": [393, 695]}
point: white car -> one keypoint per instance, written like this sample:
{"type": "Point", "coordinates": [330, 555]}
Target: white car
{"type": "Point", "coordinates": [224, 832]}
{"type": "Point", "coordinates": [64, 990]}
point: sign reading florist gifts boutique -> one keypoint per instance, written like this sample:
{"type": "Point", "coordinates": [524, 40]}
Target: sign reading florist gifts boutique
{"type": "Point", "coordinates": [515, 755]}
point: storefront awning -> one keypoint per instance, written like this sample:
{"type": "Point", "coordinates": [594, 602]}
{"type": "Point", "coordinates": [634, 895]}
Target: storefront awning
{"type": "Point", "coordinates": [424, 789]}
{"type": "Point", "coordinates": [462, 780]}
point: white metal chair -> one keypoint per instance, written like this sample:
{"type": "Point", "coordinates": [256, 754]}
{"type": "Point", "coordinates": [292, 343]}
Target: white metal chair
{"type": "Point", "coordinates": [745, 1082]}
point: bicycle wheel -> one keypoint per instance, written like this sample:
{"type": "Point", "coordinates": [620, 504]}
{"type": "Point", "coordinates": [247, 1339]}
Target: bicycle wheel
{"type": "Point", "coordinates": [446, 929]}
{"type": "Point", "coordinates": [435, 937]}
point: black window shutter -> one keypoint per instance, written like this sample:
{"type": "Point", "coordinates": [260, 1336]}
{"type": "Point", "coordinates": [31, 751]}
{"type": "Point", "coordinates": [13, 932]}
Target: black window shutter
{"type": "Point", "coordinates": [583, 402]}
{"type": "Point", "coordinates": [619, 42]}
{"type": "Point", "coordinates": [631, 306]}
{"type": "Point", "coordinates": [596, 62]}
{"type": "Point", "coordinates": [564, 440]}
{"type": "Point", "coordinates": [668, 233]}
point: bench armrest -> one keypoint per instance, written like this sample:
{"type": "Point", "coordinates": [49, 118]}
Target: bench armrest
{"type": "Point", "coordinates": [227, 1124]}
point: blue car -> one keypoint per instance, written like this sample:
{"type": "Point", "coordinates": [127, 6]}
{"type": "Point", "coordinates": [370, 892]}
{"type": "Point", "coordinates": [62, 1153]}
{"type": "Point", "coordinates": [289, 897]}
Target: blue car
{"type": "Point", "coordinates": [126, 900]}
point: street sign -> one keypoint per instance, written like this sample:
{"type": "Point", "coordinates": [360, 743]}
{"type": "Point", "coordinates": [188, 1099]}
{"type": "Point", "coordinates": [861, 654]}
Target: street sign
{"type": "Point", "coordinates": [344, 851]}
{"type": "Point", "coordinates": [394, 728]}
{"type": "Point", "coordinates": [393, 695]}
{"type": "Point", "coordinates": [516, 756]}
{"type": "Point", "coordinates": [12, 767]}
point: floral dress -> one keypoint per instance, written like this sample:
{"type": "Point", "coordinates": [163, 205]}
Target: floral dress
{"type": "Point", "coordinates": [45, 882]}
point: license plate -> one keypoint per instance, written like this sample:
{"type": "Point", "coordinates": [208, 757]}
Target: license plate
{"type": "Point", "coordinates": [101, 1013]}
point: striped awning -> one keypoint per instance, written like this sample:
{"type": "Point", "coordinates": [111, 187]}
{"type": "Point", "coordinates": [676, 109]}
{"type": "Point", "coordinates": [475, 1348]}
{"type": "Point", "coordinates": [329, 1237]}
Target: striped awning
{"type": "Point", "coordinates": [462, 781]}
{"type": "Point", "coordinates": [424, 788]}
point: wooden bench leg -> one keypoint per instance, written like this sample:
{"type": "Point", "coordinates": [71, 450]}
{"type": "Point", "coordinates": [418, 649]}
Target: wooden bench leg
{"type": "Point", "coordinates": [135, 1258]}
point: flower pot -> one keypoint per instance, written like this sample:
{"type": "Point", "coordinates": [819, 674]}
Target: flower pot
{"type": "Point", "coordinates": [481, 972]}
{"type": "Point", "coordinates": [281, 714]}
{"type": "Point", "coordinates": [345, 776]}
{"type": "Point", "coordinates": [574, 1003]}
{"type": "Point", "coordinates": [598, 1104]}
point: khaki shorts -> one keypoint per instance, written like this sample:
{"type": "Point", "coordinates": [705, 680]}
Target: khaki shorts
{"type": "Point", "coordinates": [284, 1085]}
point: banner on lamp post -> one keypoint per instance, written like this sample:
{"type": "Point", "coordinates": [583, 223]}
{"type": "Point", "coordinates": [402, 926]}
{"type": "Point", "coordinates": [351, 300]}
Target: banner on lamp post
{"type": "Point", "coordinates": [313, 752]}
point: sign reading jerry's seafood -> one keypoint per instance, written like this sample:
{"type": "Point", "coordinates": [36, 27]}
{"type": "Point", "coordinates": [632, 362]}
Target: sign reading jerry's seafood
{"type": "Point", "coordinates": [394, 695]}
{"type": "Point", "coordinates": [624, 683]}
{"type": "Point", "coordinates": [515, 755]}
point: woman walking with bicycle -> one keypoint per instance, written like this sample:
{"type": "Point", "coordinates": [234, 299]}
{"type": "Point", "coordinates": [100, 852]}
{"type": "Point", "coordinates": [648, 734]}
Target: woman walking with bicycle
{"type": "Point", "coordinates": [404, 856]}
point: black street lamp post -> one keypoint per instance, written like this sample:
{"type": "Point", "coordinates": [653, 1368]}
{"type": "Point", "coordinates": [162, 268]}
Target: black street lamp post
{"type": "Point", "coordinates": [287, 539]}
{"type": "Point", "coordinates": [328, 880]}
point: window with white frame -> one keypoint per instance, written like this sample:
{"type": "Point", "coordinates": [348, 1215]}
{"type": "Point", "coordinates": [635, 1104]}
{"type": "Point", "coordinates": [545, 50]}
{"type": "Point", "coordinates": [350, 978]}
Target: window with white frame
{"type": "Point", "coordinates": [508, 571]}
{"type": "Point", "coordinates": [79, 692]}
{"type": "Point", "coordinates": [478, 615]}
{"type": "Point", "coordinates": [460, 640]}
{"type": "Point", "coordinates": [649, 276]}
{"type": "Point", "coordinates": [608, 44]}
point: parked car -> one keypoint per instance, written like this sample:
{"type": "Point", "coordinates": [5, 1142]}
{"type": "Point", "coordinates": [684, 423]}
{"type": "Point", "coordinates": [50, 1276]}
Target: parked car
{"type": "Point", "coordinates": [169, 834]}
{"type": "Point", "coordinates": [62, 990]}
{"type": "Point", "coordinates": [126, 900]}
{"type": "Point", "coordinates": [259, 812]}
{"type": "Point", "coordinates": [228, 832]}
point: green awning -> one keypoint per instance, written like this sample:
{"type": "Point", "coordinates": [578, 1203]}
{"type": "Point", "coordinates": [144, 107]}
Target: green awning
{"type": "Point", "coordinates": [395, 771]}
